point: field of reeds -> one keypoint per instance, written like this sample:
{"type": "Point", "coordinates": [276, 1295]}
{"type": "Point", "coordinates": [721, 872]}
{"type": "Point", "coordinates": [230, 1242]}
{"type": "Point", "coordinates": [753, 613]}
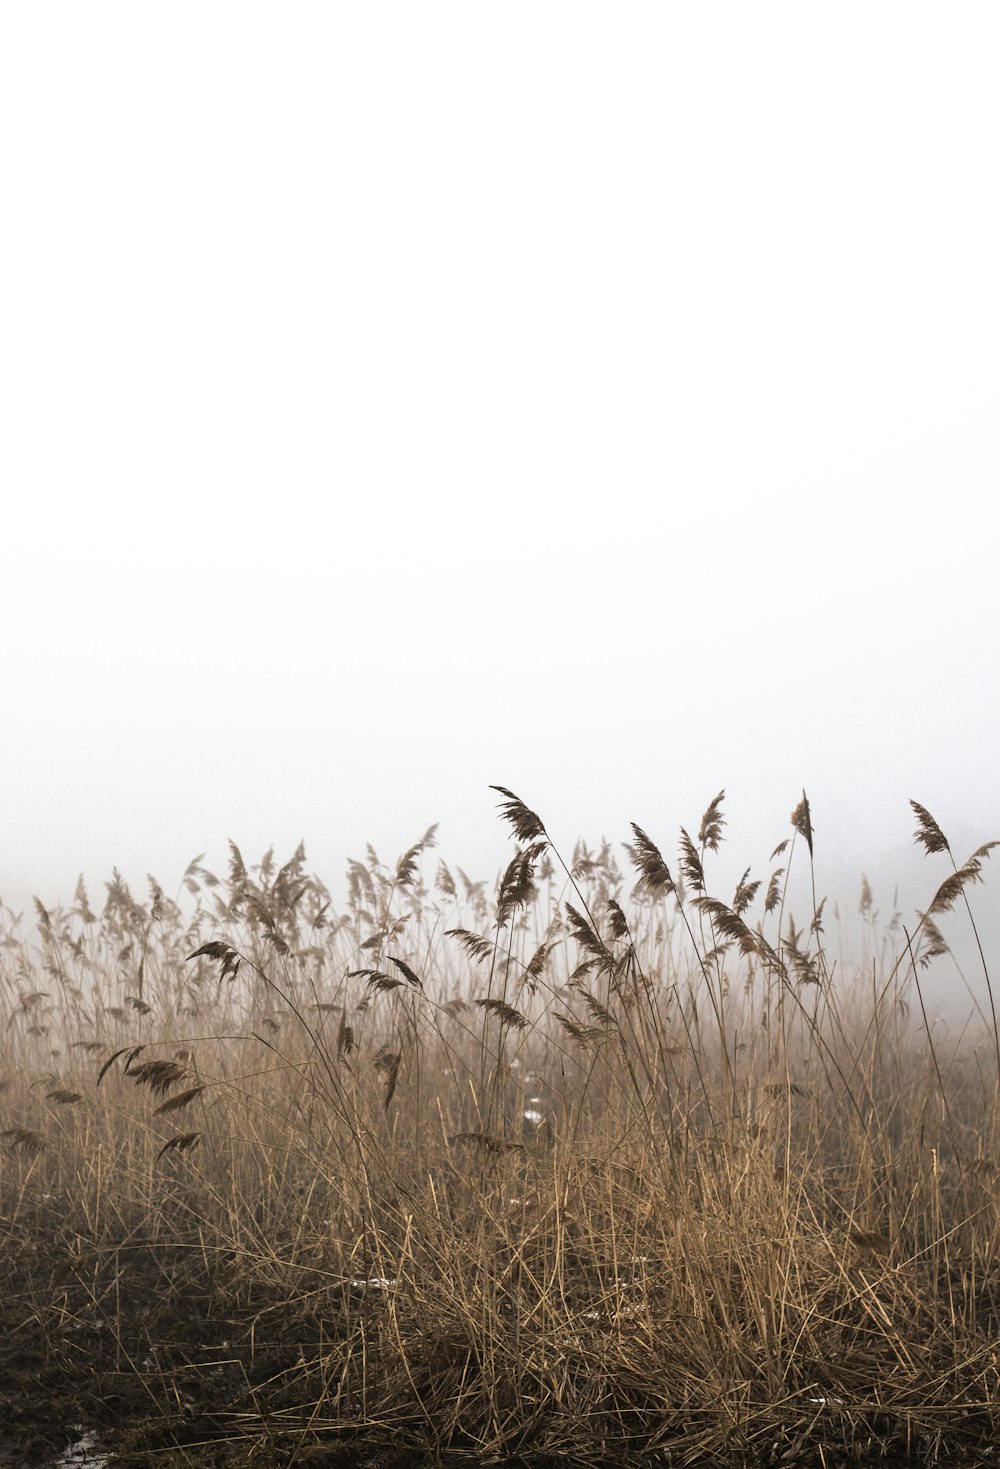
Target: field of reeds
{"type": "Point", "coordinates": [587, 1166]}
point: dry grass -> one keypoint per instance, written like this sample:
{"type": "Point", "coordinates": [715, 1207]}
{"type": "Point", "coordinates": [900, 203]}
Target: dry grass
{"type": "Point", "coordinates": [598, 1167]}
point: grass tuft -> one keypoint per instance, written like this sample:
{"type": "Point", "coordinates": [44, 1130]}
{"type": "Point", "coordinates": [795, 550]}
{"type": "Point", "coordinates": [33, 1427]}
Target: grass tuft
{"type": "Point", "coordinates": [585, 1166]}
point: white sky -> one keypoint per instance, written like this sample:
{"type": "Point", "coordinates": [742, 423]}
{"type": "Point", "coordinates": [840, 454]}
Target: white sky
{"type": "Point", "coordinates": [597, 400]}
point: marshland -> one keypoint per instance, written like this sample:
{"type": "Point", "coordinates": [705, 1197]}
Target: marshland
{"type": "Point", "coordinates": [600, 400]}
{"type": "Point", "coordinates": [591, 1164]}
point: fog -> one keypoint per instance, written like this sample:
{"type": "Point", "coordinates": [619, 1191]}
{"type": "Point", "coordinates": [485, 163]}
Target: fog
{"type": "Point", "coordinates": [401, 400]}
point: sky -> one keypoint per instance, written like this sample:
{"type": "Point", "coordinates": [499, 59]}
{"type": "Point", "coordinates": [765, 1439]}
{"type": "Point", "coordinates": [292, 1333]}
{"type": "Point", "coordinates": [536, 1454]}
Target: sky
{"type": "Point", "coordinates": [600, 401]}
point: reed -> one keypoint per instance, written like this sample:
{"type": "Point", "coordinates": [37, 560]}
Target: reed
{"type": "Point", "coordinates": [600, 1166]}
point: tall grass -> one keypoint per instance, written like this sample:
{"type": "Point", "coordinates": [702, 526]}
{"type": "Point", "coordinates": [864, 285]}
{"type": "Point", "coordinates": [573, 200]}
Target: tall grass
{"type": "Point", "coordinates": [594, 1164]}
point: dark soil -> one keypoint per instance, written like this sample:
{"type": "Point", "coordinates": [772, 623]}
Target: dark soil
{"type": "Point", "coordinates": [173, 1357]}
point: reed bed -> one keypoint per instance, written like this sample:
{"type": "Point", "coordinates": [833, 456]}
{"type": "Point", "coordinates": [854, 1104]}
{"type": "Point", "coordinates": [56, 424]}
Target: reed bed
{"type": "Point", "coordinates": [588, 1166]}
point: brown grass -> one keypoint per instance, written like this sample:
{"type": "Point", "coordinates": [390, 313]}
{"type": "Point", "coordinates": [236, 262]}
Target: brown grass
{"type": "Point", "coordinates": [638, 1174]}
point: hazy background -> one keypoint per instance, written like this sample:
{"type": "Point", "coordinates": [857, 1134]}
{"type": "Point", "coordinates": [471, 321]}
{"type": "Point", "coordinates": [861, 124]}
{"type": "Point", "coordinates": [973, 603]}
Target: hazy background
{"type": "Point", "coordinates": [597, 400]}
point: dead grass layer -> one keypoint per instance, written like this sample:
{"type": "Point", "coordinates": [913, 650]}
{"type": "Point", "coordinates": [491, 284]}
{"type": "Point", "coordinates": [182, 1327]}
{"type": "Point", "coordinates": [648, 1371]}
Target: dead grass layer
{"type": "Point", "coordinates": [592, 1168]}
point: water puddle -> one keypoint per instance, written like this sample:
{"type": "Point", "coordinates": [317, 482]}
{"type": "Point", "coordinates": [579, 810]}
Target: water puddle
{"type": "Point", "coordinates": [83, 1453]}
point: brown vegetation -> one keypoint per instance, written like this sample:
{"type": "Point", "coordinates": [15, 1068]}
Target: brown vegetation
{"type": "Point", "coordinates": [599, 1167]}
